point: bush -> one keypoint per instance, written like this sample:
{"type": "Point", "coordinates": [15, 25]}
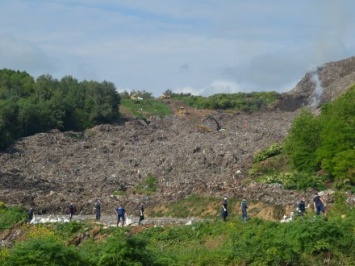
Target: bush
{"type": "Point", "coordinates": [273, 150]}
{"type": "Point", "coordinates": [294, 180]}
{"type": "Point", "coordinates": [11, 216]}
{"type": "Point", "coordinates": [148, 186]}
{"type": "Point", "coordinates": [44, 250]}
{"type": "Point", "coordinates": [120, 250]}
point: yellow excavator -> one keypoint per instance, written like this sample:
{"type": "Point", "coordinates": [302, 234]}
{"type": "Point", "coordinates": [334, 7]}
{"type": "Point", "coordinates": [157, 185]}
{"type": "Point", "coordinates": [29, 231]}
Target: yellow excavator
{"type": "Point", "coordinates": [164, 96]}
{"type": "Point", "coordinates": [182, 111]}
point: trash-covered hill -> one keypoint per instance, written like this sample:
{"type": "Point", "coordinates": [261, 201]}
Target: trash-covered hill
{"type": "Point", "coordinates": [183, 153]}
{"type": "Point", "coordinates": [51, 169]}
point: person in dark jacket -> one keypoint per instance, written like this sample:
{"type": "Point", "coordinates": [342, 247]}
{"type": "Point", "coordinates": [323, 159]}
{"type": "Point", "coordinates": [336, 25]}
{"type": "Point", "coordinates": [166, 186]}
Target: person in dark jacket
{"type": "Point", "coordinates": [224, 209]}
{"type": "Point", "coordinates": [71, 211]}
{"type": "Point", "coordinates": [98, 210]}
{"type": "Point", "coordinates": [301, 207]}
{"type": "Point", "coordinates": [319, 205]}
{"type": "Point", "coordinates": [244, 208]}
{"type": "Point", "coordinates": [121, 215]}
{"type": "Point", "coordinates": [141, 214]}
{"type": "Point", "coordinates": [30, 214]}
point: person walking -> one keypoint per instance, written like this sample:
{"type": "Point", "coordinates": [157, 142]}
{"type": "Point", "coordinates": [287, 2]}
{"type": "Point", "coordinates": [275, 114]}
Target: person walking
{"type": "Point", "coordinates": [71, 211]}
{"type": "Point", "coordinates": [319, 205]}
{"type": "Point", "coordinates": [224, 209]}
{"type": "Point", "coordinates": [98, 210]}
{"type": "Point", "coordinates": [301, 207]}
{"type": "Point", "coordinates": [121, 215]}
{"type": "Point", "coordinates": [30, 214]}
{"type": "Point", "coordinates": [141, 214]}
{"type": "Point", "coordinates": [244, 208]}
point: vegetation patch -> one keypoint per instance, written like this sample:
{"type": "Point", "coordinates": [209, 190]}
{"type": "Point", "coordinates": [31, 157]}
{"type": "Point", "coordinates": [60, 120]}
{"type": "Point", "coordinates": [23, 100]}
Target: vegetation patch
{"type": "Point", "coordinates": [146, 108]}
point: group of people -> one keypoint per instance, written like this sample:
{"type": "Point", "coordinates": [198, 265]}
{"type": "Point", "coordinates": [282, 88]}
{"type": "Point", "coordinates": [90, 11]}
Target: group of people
{"type": "Point", "coordinates": [318, 205]}
{"type": "Point", "coordinates": [243, 207]}
{"type": "Point", "coordinates": [121, 214]}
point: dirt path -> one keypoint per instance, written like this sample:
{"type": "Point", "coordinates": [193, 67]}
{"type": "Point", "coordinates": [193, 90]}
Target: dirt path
{"type": "Point", "coordinates": [111, 220]}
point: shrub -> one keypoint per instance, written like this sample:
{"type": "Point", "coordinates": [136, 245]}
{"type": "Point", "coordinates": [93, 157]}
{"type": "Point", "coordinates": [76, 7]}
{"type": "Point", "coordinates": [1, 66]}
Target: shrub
{"type": "Point", "coordinates": [148, 186]}
{"type": "Point", "coordinates": [11, 216]}
{"type": "Point", "coordinates": [43, 250]}
{"type": "Point", "coordinates": [273, 150]}
{"type": "Point", "coordinates": [120, 250]}
{"type": "Point", "coordinates": [294, 180]}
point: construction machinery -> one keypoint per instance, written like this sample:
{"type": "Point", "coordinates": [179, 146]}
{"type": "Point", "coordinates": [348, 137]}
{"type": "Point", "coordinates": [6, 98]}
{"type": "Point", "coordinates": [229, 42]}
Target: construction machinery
{"type": "Point", "coordinates": [210, 117]}
{"type": "Point", "coordinates": [164, 96]}
{"type": "Point", "coordinates": [182, 111]}
{"type": "Point", "coordinates": [202, 129]}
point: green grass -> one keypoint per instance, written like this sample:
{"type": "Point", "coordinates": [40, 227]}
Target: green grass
{"type": "Point", "coordinates": [146, 108]}
{"type": "Point", "coordinates": [11, 216]}
{"type": "Point", "coordinates": [196, 206]}
{"type": "Point", "coordinates": [212, 242]}
{"type": "Point", "coordinates": [249, 102]}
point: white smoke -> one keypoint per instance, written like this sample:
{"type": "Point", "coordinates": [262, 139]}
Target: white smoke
{"type": "Point", "coordinates": [318, 91]}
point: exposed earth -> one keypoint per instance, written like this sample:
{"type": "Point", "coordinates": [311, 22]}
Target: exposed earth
{"type": "Point", "coordinates": [110, 162]}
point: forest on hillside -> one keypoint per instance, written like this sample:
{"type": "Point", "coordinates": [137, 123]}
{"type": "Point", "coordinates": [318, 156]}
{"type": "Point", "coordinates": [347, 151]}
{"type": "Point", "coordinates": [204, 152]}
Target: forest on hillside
{"type": "Point", "coordinates": [29, 106]}
{"type": "Point", "coordinates": [318, 150]}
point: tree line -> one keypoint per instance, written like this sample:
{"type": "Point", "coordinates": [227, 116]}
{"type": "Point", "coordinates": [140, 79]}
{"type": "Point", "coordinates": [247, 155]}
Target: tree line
{"type": "Point", "coordinates": [326, 142]}
{"type": "Point", "coordinates": [29, 106]}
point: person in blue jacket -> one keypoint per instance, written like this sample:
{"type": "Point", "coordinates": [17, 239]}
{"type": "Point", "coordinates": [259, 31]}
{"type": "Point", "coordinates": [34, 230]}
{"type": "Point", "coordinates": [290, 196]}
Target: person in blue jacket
{"type": "Point", "coordinates": [319, 205]}
{"type": "Point", "coordinates": [121, 215]}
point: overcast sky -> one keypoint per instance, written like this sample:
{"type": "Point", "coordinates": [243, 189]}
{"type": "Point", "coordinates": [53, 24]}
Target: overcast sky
{"type": "Point", "coordinates": [198, 46]}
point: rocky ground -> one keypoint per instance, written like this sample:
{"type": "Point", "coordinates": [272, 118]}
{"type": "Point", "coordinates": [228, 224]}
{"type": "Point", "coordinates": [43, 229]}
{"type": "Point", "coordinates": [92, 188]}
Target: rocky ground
{"type": "Point", "coordinates": [50, 170]}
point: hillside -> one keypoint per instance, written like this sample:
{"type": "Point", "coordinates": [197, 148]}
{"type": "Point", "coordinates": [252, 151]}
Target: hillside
{"type": "Point", "coordinates": [112, 162]}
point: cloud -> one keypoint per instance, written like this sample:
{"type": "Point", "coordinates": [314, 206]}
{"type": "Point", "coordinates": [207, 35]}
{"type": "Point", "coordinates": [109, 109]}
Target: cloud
{"type": "Point", "coordinates": [209, 47]}
{"type": "Point", "coordinates": [22, 55]}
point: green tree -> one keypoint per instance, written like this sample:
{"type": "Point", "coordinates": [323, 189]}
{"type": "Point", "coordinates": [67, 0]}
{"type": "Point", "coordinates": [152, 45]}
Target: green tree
{"type": "Point", "coordinates": [303, 141]}
{"type": "Point", "coordinates": [102, 101]}
{"type": "Point", "coordinates": [120, 250]}
{"type": "Point", "coordinates": [45, 250]}
{"type": "Point", "coordinates": [336, 152]}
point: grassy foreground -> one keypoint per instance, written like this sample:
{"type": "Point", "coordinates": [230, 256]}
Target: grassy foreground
{"type": "Point", "coordinates": [213, 242]}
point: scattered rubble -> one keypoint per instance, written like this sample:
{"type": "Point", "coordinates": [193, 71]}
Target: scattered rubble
{"type": "Point", "coordinates": [50, 170]}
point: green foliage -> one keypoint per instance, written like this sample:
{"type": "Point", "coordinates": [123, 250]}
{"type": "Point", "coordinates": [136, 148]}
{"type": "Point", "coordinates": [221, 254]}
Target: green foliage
{"type": "Point", "coordinates": [146, 108]}
{"type": "Point", "coordinates": [11, 216]}
{"type": "Point", "coordinates": [270, 166]}
{"type": "Point", "coordinates": [142, 94]}
{"type": "Point", "coordinates": [303, 141]}
{"type": "Point", "coordinates": [257, 242]}
{"type": "Point", "coordinates": [337, 151]}
{"type": "Point", "coordinates": [196, 205]}
{"type": "Point", "coordinates": [296, 243]}
{"type": "Point", "coordinates": [249, 102]}
{"type": "Point", "coordinates": [28, 107]}
{"type": "Point", "coordinates": [273, 150]}
{"type": "Point", "coordinates": [120, 250]}
{"type": "Point", "coordinates": [326, 142]}
{"type": "Point", "coordinates": [294, 180]}
{"type": "Point", "coordinates": [212, 242]}
{"type": "Point", "coordinates": [43, 250]}
{"type": "Point", "coordinates": [340, 206]}
{"type": "Point", "coordinates": [148, 186]}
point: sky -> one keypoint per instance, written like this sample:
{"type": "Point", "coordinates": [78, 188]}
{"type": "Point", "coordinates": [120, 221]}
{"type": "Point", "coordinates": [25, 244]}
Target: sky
{"type": "Point", "coordinates": [201, 47]}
